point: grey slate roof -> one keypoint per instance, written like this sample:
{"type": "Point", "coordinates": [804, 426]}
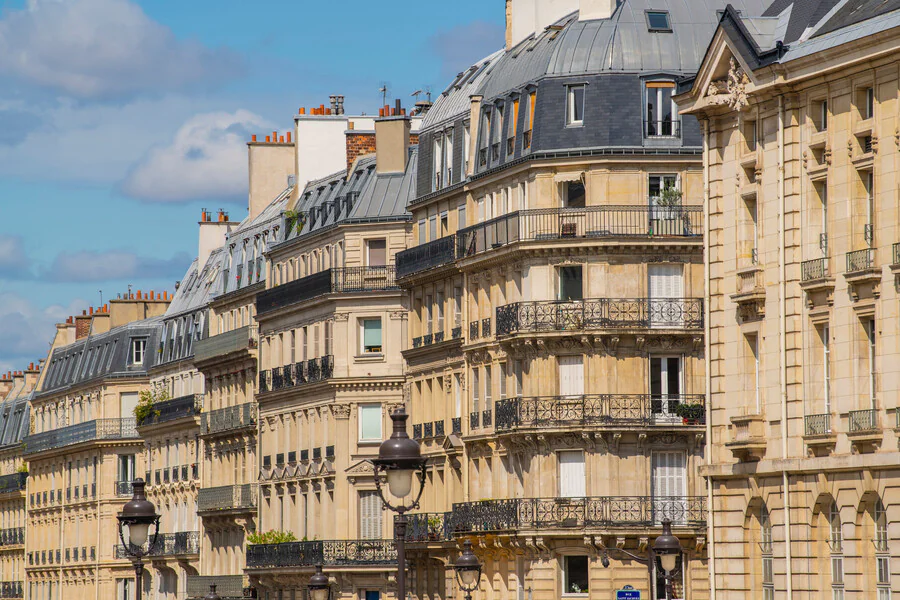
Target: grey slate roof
{"type": "Point", "coordinates": [14, 415]}
{"type": "Point", "coordinates": [455, 100]}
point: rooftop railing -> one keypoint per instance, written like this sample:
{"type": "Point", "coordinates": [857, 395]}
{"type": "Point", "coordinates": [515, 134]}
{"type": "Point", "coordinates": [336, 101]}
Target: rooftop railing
{"type": "Point", "coordinates": [228, 418]}
{"type": "Point", "coordinates": [300, 373]}
{"type": "Point", "coordinates": [600, 313]}
{"type": "Point", "coordinates": [331, 281]}
{"type": "Point", "coordinates": [327, 552]}
{"type": "Point", "coordinates": [177, 408]}
{"type": "Point", "coordinates": [235, 340]}
{"type": "Point", "coordinates": [227, 497]}
{"type": "Point", "coordinates": [595, 410]}
{"type": "Point", "coordinates": [99, 429]}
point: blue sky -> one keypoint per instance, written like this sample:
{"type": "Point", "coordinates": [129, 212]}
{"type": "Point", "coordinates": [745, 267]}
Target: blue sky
{"type": "Point", "coordinates": [121, 119]}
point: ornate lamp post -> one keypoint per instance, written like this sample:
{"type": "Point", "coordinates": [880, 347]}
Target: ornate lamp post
{"type": "Point", "coordinates": [212, 595]}
{"type": "Point", "coordinates": [468, 570]}
{"type": "Point", "coordinates": [399, 458]}
{"type": "Point", "coordinates": [136, 517]}
{"type": "Point", "coordinates": [318, 585]}
{"type": "Point", "coordinates": [667, 547]}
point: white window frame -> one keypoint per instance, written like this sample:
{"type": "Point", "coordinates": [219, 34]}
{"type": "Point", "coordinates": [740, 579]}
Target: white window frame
{"type": "Point", "coordinates": [565, 578]}
{"type": "Point", "coordinates": [138, 350]}
{"type": "Point", "coordinates": [362, 336]}
{"type": "Point", "coordinates": [370, 408]}
{"type": "Point", "coordinates": [571, 121]}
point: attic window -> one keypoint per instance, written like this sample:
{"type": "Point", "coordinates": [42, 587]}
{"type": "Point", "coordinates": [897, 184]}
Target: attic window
{"type": "Point", "coordinates": [658, 20]}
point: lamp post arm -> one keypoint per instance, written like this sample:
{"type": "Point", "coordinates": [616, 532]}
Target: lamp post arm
{"type": "Point", "coordinates": [635, 557]}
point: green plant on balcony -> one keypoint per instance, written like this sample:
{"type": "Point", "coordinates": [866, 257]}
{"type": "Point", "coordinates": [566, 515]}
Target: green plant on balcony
{"type": "Point", "coordinates": [691, 413]}
{"type": "Point", "coordinates": [23, 468]}
{"type": "Point", "coordinates": [292, 219]}
{"type": "Point", "coordinates": [147, 401]}
{"type": "Point", "coordinates": [271, 537]}
{"type": "Point", "coordinates": [434, 527]}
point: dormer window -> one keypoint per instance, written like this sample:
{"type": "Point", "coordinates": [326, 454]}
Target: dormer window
{"type": "Point", "coordinates": [575, 105]}
{"type": "Point", "coordinates": [138, 346]}
{"type": "Point", "coordinates": [658, 20]}
{"type": "Point", "coordinates": [661, 119]}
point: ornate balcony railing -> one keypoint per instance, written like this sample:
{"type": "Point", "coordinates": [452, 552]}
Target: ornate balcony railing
{"type": "Point", "coordinates": [99, 429]}
{"type": "Point", "coordinates": [12, 589]}
{"type": "Point", "coordinates": [236, 340]}
{"type": "Point", "coordinates": [429, 527]}
{"type": "Point", "coordinates": [14, 482]}
{"type": "Point", "coordinates": [123, 489]}
{"type": "Point", "coordinates": [600, 313]}
{"type": "Point", "coordinates": [456, 333]}
{"type": "Point", "coordinates": [457, 424]}
{"type": "Point", "coordinates": [816, 268]}
{"type": "Point", "coordinates": [486, 327]}
{"type": "Point", "coordinates": [227, 497]}
{"type": "Point", "coordinates": [313, 370]}
{"type": "Point", "coordinates": [169, 544]}
{"type": "Point", "coordinates": [817, 424]}
{"type": "Point", "coordinates": [473, 330]}
{"type": "Point", "coordinates": [860, 260]}
{"type": "Point", "coordinates": [342, 280]}
{"type": "Point", "coordinates": [228, 418]}
{"type": "Point", "coordinates": [578, 513]}
{"type": "Point", "coordinates": [230, 587]}
{"type": "Point", "coordinates": [863, 420]}
{"type": "Point", "coordinates": [426, 256]}
{"type": "Point", "coordinates": [183, 406]}
{"type": "Point", "coordinates": [474, 419]}
{"type": "Point", "coordinates": [12, 536]}
{"type": "Point", "coordinates": [592, 410]}
{"type": "Point", "coordinates": [327, 552]}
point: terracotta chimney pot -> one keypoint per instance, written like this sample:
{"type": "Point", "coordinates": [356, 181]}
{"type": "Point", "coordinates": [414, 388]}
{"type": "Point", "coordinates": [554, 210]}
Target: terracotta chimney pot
{"type": "Point", "coordinates": [254, 137]}
{"type": "Point", "coordinates": [288, 137]}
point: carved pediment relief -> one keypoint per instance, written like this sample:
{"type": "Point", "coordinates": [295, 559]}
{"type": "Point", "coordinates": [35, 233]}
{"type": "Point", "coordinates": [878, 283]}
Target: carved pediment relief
{"type": "Point", "coordinates": [732, 90]}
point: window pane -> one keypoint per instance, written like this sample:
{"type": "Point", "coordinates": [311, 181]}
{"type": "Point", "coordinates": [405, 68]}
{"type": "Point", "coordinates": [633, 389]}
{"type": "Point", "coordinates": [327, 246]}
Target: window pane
{"type": "Point", "coordinates": [370, 422]}
{"type": "Point", "coordinates": [372, 335]}
{"type": "Point", "coordinates": [377, 253]}
{"type": "Point", "coordinates": [658, 20]}
{"type": "Point", "coordinates": [576, 575]}
{"type": "Point", "coordinates": [576, 104]}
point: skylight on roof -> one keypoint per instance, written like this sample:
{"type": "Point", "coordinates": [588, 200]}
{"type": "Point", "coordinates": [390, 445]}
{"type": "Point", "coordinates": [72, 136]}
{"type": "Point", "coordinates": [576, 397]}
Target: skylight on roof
{"type": "Point", "coordinates": [658, 20]}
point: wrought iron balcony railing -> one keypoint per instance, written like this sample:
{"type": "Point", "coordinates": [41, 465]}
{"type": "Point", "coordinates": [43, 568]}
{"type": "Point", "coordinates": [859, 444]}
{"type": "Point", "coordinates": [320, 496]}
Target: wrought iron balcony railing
{"type": "Point", "coordinates": [313, 370]}
{"type": "Point", "coordinates": [342, 280]}
{"type": "Point", "coordinates": [14, 482]}
{"type": "Point", "coordinates": [817, 424]}
{"type": "Point", "coordinates": [426, 256]}
{"type": "Point", "coordinates": [663, 128]}
{"type": "Point", "coordinates": [236, 340]}
{"type": "Point", "coordinates": [816, 268]}
{"type": "Point", "coordinates": [183, 406]}
{"type": "Point", "coordinates": [863, 420]}
{"type": "Point", "coordinates": [896, 253]}
{"type": "Point", "coordinates": [578, 513]}
{"type": "Point", "coordinates": [429, 527]}
{"type": "Point", "coordinates": [860, 260]}
{"type": "Point", "coordinates": [227, 497]}
{"type": "Point", "coordinates": [12, 536]}
{"type": "Point", "coordinates": [12, 589]}
{"type": "Point", "coordinates": [457, 424]}
{"type": "Point", "coordinates": [546, 412]}
{"type": "Point", "coordinates": [124, 489]}
{"type": "Point", "coordinates": [228, 418]}
{"type": "Point", "coordinates": [169, 544]}
{"type": "Point", "coordinates": [228, 587]}
{"type": "Point", "coordinates": [327, 552]}
{"type": "Point", "coordinates": [600, 313]}
{"type": "Point", "coordinates": [99, 429]}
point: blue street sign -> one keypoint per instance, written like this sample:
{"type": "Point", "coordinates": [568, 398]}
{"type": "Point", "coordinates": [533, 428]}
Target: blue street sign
{"type": "Point", "coordinates": [628, 593]}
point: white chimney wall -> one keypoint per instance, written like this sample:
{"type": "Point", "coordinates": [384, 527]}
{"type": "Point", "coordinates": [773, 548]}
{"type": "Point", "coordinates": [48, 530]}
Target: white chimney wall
{"type": "Point", "coordinates": [596, 9]}
{"type": "Point", "coordinates": [533, 16]}
{"type": "Point", "coordinates": [212, 236]}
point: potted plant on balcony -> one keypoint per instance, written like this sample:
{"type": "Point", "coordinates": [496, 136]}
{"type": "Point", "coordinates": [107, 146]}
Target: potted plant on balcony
{"type": "Point", "coordinates": [434, 528]}
{"type": "Point", "coordinates": [691, 414]}
{"type": "Point", "coordinates": [147, 399]}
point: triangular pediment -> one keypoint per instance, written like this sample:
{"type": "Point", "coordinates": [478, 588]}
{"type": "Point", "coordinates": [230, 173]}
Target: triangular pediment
{"type": "Point", "coordinates": [363, 467]}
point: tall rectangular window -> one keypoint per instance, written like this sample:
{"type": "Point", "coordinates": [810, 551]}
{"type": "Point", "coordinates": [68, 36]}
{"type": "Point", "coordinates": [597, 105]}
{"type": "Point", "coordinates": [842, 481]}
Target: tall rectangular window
{"type": "Point", "coordinates": [370, 513]}
{"type": "Point", "coordinates": [575, 105]}
{"type": "Point", "coordinates": [440, 310]}
{"type": "Point", "coordinates": [870, 339]}
{"type": "Point", "coordinates": [438, 155]}
{"type": "Point", "coordinates": [376, 252]}
{"type": "Point", "coordinates": [461, 216]}
{"type": "Point", "coordinates": [576, 576]}
{"type": "Point", "coordinates": [529, 121]}
{"type": "Point", "coordinates": [137, 351]}
{"type": "Point", "coordinates": [503, 376]}
{"type": "Point", "coordinates": [447, 172]}
{"type": "Point", "coordinates": [371, 336]}
{"type": "Point", "coordinates": [423, 232]}
{"type": "Point", "coordinates": [488, 385]}
{"type": "Point", "coordinates": [571, 474]}
{"type": "Point", "coordinates": [662, 114]}
{"type": "Point", "coordinates": [476, 384]}
{"type": "Point", "coordinates": [369, 422]}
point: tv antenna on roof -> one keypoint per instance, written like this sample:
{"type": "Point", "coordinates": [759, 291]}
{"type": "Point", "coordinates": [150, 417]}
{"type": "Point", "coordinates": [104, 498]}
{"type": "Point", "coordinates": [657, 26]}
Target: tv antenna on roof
{"type": "Point", "coordinates": [384, 92]}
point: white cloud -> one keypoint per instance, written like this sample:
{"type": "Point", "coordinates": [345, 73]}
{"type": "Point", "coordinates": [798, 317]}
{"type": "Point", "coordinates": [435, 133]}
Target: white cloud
{"type": "Point", "coordinates": [104, 49]}
{"type": "Point", "coordinates": [14, 263]}
{"type": "Point", "coordinates": [114, 265]}
{"type": "Point", "coordinates": [207, 159]}
{"type": "Point", "coordinates": [26, 331]}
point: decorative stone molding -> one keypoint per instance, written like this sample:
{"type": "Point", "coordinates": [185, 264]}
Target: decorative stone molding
{"type": "Point", "coordinates": [340, 411]}
{"type": "Point", "coordinates": [731, 91]}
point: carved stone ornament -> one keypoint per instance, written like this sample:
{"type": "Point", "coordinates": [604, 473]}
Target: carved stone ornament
{"type": "Point", "coordinates": [340, 411]}
{"type": "Point", "coordinates": [731, 91]}
{"type": "Point", "coordinates": [341, 316]}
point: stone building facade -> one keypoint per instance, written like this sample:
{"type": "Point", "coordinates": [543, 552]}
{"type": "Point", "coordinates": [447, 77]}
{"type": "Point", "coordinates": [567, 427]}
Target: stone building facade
{"type": "Point", "coordinates": [800, 115]}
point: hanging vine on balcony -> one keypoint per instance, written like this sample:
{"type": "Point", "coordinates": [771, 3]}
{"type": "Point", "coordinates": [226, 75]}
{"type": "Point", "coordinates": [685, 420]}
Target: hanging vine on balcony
{"type": "Point", "coordinates": [148, 399]}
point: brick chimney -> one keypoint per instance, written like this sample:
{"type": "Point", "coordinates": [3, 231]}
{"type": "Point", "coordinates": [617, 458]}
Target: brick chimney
{"type": "Point", "coordinates": [82, 325]}
{"type": "Point", "coordinates": [359, 143]}
{"type": "Point", "coordinates": [392, 140]}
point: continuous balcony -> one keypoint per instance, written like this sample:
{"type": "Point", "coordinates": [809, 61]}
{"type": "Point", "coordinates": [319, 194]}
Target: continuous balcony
{"type": "Point", "coordinates": [327, 553]}
{"type": "Point", "coordinates": [12, 589]}
{"type": "Point", "coordinates": [343, 280]}
{"type": "Point", "coordinates": [600, 313]}
{"type": "Point", "coordinates": [228, 418]}
{"type": "Point", "coordinates": [13, 536]}
{"type": "Point", "coordinates": [181, 543]}
{"type": "Point", "coordinates": [216, 346]}
{"type": "Point", "coordinates": [228, 587]}
{"type": "Point", "coordinates": [436, 253]}
{"type": "Point", "coordinates": [97, 430]}
{"type": "Point", "coordinates": [177, 408]}
{"type": "Point", "coordinates": [600, 512]}
{"type": "Point", "coordinates": [14, 482]}
{"type": "Point", "coordinates": [297, 374]}
{"type": "Point", "coordinates": [227, 498]}
{"type": "Point", "coordinates": [622, 410]}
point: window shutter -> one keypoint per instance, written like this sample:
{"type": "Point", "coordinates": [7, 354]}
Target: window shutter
{"type": "Point", "coordinates": [369, 516]}
{"type": "Point", "coordinates": [571, 376]}
{"type": "Point", "coordinates": [571, 474]}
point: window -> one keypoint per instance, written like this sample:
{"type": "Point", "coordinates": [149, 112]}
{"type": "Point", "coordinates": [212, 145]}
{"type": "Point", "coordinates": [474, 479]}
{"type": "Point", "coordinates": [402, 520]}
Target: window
{"type": "Point", "coordinates": [124, 589]}
{"type": "Point", "coordinates": [448, 158]}
{"type": "Point", "coordinates": [370, 510]}
{"type": "Point", "coordinates": [665, 385]}
{"type": "Point", "coordinates": [476, 383]}
{"type": "Point", "coordinates": [573, 194]}
{"type": "Point", "coordinates": [662, 114]}
{"type": "Point", "coordinates": [575, 575]}
{"type": "Point", "coordinates": [825, 336]}
{"type": "Point", "coordinates": [571, 375]}
{"type": "Point", "coordinates": [467, 139]}
{"type": "Point", "coordinates": [376, 253]}
{"type": "Point", "coordinates": [488, 385]}
{"type": "Point", "coordinates": [570, 283]}
{"type": "Point", "coordinates": [438, 155]}
{"type": "Point", "coordinates": [503, 376]}
{"type": "Point", "coordinates": [432, 227]}
{"type": "Point", "coordinates": [835, 542]}
{"type": "Point", "coordinates": [529, 121]}
{"type": "Point", "coordinates": [370, 422]}
{"type": "Point", "coordinates": [371, 336]}
{"type": "Point", "coordinates": [137, 351]}
{"type": "Point", "coordinates": [513, 123]}
{"type": "Point", "coordinates": [865, 102]}
{"type": "Point", "coordinates": [461, 216]}
{"type": "Point", "coordinates": [571, 474]}
{"type": "Point", "coordinates": [882, 556]}
{"type": "Point", "coordinates": [517, 372]}
{"type": "Point", "coordinates": [423, 232]}
{"type": "Point", "coordinates": [575, 105]}
{"type": "Point", "coordinates": [658, 20]}
{"type": "Point", "coordinates": [820, 115]}
{"type": "Point", "coordinates": [870, 338]}
{"type": "Point", "coordinates": [445, 223]}
{"type": "Point", "coordinates": [765, 545]}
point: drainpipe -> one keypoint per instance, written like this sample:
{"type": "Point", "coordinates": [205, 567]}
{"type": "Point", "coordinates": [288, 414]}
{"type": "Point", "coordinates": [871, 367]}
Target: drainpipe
{"type": "Point", "coordinates": [782, 251]}
{"type": "Point", "coordinates": [711, 543]}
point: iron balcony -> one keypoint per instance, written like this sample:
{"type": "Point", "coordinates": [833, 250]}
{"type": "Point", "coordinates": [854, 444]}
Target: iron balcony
{"type": "Point", "coordinates": [12, 536]}
{"type": "Point", "coordinates": [600, 313]}
{"type": "Point", "coordinates": [342, 280]}
{"type": "Point", "coordinates": [226, 498]}
{"type": "Point", "coordinates": [98, 429]}
{"type": "Point", "coordinates": [313, 370]}
{"type": "Point", "coordinates": [12, 589]}
{"type": "Point", "coordinates": [176, 408]}
{"type": "Point", "coordinates": [634, 410]}
{"type": "Point", "coordinates": [169, 544]}
{"type": "Point", "coordinates": [214, 346]}
{"type": "Point", "coordinates": [228, 418]}
{"type": "Point", "coordinates": [433, 254]}
{"type": "Point", "coordinates": [14, 482]}
{"type": "Point", "coordinates": [327, 553]}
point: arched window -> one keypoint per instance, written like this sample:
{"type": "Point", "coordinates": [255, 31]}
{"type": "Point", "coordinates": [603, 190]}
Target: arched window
{"type": "Point", "coordinates": [882, 555]}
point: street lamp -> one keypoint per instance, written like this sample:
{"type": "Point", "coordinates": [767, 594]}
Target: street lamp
{"type": "Point", "coordinates": [136, 517]}
{"type": "Point", "coordinates": [318, 585]}
{"type": "Point", "coordinates": [666, 547]}
{"type": "Point", "coordinates": [399, 458]}
{"type": "Point", "coordinates": [212, 595]}
{"type": "Point", "coordinates": [468, 570]}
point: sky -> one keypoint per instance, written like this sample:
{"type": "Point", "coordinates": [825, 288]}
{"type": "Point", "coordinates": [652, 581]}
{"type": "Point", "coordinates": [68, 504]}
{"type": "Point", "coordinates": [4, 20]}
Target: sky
{"type": "Point", "coordinates": [121, 119]}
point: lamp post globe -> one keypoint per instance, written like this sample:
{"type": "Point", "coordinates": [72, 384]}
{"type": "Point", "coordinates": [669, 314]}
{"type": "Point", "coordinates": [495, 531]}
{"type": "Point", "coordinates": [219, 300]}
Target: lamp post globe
{"type": "Point", "coordinates": [667, 547]}
{"type": "Point", "coordinates": [468, 569]}
{"type": "Point", "coordinates": [136, 517]}
{"type": "Point", "coordinates": [318, 585]}
{"type": "Point", "coordinates": [212, 595]}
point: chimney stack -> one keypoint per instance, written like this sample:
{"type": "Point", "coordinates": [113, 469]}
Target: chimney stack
{"type": "Point", "coordinates": [596, 9]}
{"type": "Point", "coordinates": [392, 141]}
